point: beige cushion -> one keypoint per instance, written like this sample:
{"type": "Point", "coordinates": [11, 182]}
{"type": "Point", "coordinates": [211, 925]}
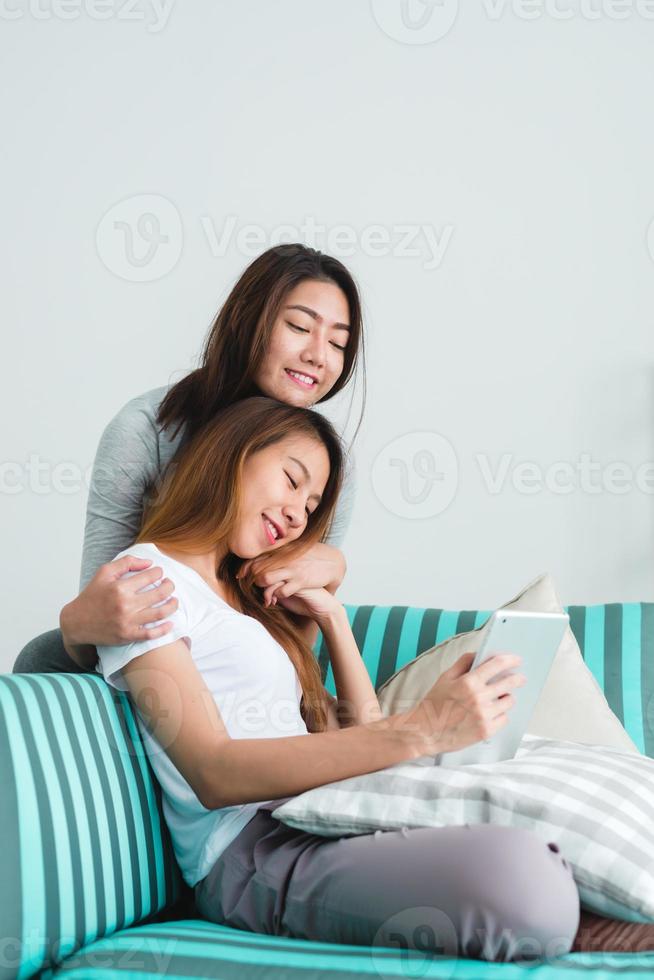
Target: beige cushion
{"type": "Point", "coordinates": [572, 706]}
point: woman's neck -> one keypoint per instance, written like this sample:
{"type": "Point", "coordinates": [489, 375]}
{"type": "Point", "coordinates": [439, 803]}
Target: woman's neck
{"type": "Point", "coordinates": [205, 565]}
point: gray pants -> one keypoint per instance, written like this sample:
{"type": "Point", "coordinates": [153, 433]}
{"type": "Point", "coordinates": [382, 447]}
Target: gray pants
{"type": "Point", "coordinates": [481, 891]}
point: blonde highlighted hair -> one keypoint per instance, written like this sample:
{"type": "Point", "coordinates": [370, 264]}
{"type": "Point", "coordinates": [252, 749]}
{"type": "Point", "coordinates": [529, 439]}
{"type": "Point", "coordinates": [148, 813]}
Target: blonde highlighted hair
{"type": "Point", "coordinates": [196, 506]}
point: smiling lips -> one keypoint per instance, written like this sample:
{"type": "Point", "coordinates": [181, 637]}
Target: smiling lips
{"type": "Point", "coordinates": [303, 380]}
{"type": "Point", "coordinates": [272, 535]}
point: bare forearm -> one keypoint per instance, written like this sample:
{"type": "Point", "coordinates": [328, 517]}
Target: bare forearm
{"type": "Point", "coordinates": [357, 700]}
{"type": "Point", "coordinates": [308, 626]}
{"type": "Point", "coordinates": [250, 770]}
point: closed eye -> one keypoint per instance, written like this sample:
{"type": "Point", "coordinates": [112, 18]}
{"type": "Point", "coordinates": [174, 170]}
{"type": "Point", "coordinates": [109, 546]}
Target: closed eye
{"type": "Point", "coordinates": [294, 326]}
{"type": "Point", "coordinates": [294, 485]}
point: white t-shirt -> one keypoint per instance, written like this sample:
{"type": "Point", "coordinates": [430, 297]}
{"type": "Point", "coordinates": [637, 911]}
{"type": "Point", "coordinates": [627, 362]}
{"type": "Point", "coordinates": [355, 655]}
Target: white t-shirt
{"type": "Point", "coordinates": [255, 687]}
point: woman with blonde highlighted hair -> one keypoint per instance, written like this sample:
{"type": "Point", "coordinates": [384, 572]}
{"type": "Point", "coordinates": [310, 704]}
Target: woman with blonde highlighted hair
{"type": "Point", "coordinates": [235, 718]}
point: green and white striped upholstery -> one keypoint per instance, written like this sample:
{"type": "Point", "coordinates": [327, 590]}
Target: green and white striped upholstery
{"type": "Point", "coordinates": [85, 849]}
{"type": "Point", "coordinates": [616, 641]}
{"type": "Point", "coordinates": [87, 856]}
{"type": "Point", "coordinates": [195, 948]}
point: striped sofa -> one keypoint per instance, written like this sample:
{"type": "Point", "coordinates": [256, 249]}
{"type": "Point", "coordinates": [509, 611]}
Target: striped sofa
{"type": "Point", "coordinates": [90, 887]}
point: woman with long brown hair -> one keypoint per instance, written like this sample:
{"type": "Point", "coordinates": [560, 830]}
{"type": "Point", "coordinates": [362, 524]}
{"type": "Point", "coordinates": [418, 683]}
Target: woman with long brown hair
{"type": "Point", "coordinates": [291, 329]}
{"type": "Point", "coordinates": [225, 702]}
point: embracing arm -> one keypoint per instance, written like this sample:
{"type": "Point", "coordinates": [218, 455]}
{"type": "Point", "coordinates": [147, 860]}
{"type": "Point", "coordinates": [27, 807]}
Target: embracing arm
{"type": "Point", "coordinates": [125, 466]}
{"type": "Point", "coordinates": [115, 607]}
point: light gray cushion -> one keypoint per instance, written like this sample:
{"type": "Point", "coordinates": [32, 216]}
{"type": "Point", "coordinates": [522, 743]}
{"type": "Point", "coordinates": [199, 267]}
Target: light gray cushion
{"type": "Point", "coordinates": [596, 803]}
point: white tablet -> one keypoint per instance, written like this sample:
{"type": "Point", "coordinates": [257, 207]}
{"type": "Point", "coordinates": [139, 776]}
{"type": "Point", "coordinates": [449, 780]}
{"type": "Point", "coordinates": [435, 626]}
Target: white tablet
{"type": "Point", "coordinates": [535, 637]}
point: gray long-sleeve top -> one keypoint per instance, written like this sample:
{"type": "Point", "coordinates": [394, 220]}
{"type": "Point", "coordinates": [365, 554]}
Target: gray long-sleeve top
{"type": "Point", "coordinates": [132, 454]}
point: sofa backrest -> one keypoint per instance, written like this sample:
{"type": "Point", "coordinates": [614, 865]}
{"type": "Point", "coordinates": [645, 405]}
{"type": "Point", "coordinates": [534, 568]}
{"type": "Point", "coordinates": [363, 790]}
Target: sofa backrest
{"type": "Point", "coordinates": [616, 641]}
{"type": "Point", "coordinates": [86, 850]}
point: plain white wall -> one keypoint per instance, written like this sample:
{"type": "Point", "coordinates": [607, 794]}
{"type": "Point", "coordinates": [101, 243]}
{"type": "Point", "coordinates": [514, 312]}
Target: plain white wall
{"type": "Point", "coordinates": [486, 175]}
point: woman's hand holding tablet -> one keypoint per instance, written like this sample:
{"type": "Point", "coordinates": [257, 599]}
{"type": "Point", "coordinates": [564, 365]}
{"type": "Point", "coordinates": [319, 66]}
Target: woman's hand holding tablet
{"type": "Point", "coordinates": [465, 706]}
{"type": "Point", "coordinates": [536, 637]}
{"type": "Point", "coordinates": [466, 716]}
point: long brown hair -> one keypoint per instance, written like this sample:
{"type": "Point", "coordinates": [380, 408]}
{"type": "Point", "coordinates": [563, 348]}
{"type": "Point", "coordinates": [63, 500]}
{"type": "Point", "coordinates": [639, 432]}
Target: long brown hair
{"type": "Point", "coordinates": [197, 504]}
{"type": "Point", "coordinates": [238, 337]}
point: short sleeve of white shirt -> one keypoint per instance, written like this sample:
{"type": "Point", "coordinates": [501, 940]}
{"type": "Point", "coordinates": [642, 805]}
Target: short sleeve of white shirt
{"type": "Point", "coordinates": [111, 659]}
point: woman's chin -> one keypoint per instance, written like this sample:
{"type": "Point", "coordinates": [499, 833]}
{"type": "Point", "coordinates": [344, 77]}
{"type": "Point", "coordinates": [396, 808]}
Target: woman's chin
{"type": "Point", "coordinates": [247, 551]}
{"type": "Point", "coordinates": [292, 394]}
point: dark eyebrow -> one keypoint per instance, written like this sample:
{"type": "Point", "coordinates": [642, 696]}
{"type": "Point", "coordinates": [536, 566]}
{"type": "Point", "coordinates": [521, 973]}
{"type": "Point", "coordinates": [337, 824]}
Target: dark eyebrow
{"type": "Point", "coordinates": [307, 476]}
{"type": "Point", "coordinates": [316, 316]}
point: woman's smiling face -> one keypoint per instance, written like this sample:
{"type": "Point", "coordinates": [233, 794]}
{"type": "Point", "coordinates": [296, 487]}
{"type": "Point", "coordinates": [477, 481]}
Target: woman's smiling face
{"type": "Point", "coordinates": [307, 339]}
{"type": "Point", "coordinates": [282, 486]}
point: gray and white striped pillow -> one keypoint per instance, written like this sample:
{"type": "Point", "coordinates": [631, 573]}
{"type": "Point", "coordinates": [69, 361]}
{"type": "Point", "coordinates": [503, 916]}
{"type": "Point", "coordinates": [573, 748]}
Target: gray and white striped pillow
{"type": "Point", "coordinates": [595, 802]}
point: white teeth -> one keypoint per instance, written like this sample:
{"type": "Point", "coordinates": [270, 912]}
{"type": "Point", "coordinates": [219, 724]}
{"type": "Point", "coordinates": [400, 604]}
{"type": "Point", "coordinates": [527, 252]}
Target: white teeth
{"type": "Point", "coordinates": [273, 529]}
{"type": "Point", "coordinates": [303, 377]}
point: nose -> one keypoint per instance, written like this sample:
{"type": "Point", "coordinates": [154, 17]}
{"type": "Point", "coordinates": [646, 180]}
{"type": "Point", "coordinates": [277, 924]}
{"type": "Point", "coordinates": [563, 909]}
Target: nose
{"type": "Point", "coordinates": [293, 517]}
{"type": "Point", "coordinates": [316, 347]}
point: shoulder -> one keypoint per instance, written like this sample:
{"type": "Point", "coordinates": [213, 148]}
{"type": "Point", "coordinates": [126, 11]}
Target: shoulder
{"type": "Point", "coordinates": [142, 549]}
{"type": "Point", "coordinates": [142, 408]}
{"type": "Point", "coordinates": [146, 549]}
{"type": "Point", "coordinates": [133, 433]}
